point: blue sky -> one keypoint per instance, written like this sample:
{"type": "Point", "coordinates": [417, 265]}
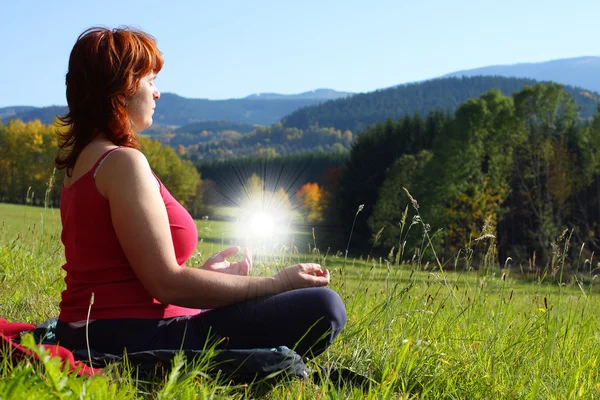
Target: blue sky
{"type": "Point", "coordinates": [230, 49]}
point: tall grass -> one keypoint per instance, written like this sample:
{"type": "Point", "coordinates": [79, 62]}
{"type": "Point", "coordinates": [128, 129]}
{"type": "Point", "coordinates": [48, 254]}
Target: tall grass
{"type": "Point", "coordinates": [417, 331]}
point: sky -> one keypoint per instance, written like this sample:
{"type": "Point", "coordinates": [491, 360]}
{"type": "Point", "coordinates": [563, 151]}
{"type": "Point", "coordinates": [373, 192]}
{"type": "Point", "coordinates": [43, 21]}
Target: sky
{"type": "Point", "coordinates": [234, 48]}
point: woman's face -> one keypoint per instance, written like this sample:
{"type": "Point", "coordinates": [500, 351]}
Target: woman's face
{"type": "Point", "coordinates": [140, 106]}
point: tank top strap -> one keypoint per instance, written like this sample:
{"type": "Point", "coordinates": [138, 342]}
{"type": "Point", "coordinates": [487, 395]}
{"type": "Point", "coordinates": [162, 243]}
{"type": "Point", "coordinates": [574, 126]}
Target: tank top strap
{"type": "Point", "coordinates": [101, 160]}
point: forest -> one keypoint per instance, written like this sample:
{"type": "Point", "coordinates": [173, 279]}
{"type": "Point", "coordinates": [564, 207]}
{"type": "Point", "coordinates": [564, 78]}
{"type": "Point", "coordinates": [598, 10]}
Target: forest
{"type": "Point", "coordinates": [518, 173]}
{"type": "Point", "coordinates": [332, 126]}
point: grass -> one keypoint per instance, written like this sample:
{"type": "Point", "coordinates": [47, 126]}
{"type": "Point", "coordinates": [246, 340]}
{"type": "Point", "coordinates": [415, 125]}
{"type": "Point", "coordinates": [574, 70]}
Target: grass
{"type": "Point", "coordinates": [416, 333]}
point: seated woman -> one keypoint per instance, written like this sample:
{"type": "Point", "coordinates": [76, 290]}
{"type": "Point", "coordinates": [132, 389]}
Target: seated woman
{"type": "Point", "coordinates": [127, 239]}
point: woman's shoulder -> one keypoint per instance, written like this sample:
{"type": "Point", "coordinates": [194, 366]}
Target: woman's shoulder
{"type": "Point", "coordinates": [122, 168]}
{"type": "Point", "coordinates": [128, 155]}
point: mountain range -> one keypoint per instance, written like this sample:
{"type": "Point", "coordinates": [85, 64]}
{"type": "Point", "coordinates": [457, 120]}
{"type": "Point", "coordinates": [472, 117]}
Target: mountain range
{"type": "Point", "coordinates": [356, 112]}
{"type": "Point", "coordinates": [174, 110]}
{"type": "Point", "coordinates": [582, 73]}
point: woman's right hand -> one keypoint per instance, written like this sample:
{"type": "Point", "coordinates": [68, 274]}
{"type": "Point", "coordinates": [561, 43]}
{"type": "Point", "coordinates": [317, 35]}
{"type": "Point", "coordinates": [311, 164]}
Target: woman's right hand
{"type": "Point", "coordinates": [301, 276]}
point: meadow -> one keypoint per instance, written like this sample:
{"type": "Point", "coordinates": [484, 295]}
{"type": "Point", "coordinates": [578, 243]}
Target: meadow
{"type": "Point", "coordinates": [417, 331]}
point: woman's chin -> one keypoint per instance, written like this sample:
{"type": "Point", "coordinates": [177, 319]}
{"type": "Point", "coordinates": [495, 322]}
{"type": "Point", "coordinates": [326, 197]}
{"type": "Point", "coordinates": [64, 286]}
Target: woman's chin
{"type": "Point", "coordinates": [148, 124]}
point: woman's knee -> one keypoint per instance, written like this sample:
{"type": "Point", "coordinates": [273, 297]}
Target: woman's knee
{"type": "Point", "coordinates": [331, 308]}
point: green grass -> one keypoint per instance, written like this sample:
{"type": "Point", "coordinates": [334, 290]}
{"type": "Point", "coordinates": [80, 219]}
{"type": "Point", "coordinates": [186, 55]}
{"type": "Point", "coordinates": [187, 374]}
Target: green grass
{"type": "Point", "coordinates": [417, 333]}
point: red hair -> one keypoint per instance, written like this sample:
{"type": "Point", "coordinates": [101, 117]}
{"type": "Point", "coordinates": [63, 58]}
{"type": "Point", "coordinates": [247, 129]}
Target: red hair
{"type": "Point", "coordinates": [105, 68]}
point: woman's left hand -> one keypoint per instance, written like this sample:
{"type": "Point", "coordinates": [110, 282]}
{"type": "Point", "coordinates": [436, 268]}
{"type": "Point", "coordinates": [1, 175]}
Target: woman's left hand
{"type": "Point", "coordinates": [219, 263]}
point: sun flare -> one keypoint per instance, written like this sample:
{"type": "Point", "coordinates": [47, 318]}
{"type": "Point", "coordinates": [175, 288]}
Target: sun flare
{"type": "Point", "coordinates": [262, 224]}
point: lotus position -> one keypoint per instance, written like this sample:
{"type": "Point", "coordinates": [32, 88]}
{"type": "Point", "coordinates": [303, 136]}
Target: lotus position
{"type": "Point", "coordinates": [127, 239]}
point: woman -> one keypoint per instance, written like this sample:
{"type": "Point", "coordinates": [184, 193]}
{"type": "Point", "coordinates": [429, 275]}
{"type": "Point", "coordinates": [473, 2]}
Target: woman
{"type": "Point", "coordinates": [126, 238]}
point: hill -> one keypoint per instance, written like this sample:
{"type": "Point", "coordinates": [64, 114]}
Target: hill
{"type": "Point", "coordinates": [199, 132]}
{"type": "Point", "coordinates": [323, 94]}
{"type": "Point", "coordinates": [7, 113]}
{"type": "Point", "coordinates": [581, 71]}
{"type": "Point", "coordinates": [174, 110]}
{"type": "Point", "coordinates": [214, 127]}
{"type": "Point", "coordinates": [357, 112]}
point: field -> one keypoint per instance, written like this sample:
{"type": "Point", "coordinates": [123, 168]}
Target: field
{"type": "Point", "coordinates": [417, 333]}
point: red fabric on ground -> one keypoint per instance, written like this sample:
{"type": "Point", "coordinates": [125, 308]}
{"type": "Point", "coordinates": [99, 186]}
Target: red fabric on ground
{"type": "Point", "coordinates": [11, 330]}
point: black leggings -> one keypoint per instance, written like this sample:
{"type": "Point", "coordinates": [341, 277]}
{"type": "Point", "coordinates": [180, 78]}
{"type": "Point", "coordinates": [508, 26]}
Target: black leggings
{"type": "Point", "coordinates": [306, 320]}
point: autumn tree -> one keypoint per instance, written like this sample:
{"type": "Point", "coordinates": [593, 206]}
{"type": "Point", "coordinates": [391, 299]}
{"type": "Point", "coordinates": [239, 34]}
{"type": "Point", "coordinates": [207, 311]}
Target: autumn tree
{"type": "Point", "coordinates": [27, 153]}
{"type": "Point", "coordinates": [255, 191]}
{"type": "Point", "coordinates": [311, 198]}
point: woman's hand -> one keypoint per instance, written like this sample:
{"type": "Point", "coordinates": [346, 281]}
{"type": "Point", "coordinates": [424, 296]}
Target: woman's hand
{"type": "Point", "coordinates": [301, 276]}
{"type": "Point", "coordinates": [219, 263]}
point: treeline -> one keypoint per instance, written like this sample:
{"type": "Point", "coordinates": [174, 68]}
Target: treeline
{"type": "Point", "coordinates": [27, 152]}
{"type": "Point", "coordinates": [27, 174]}
{"type": "Point", "coordinates": [357, 112]}
{"type": "Point", "coordinates": [515, 171]}
{"type": "Point", "coordinates": [202, 132]}
{"type": "Point", "coordinates": [270, 141]}
{"type": "Point", "coordinates": [214, 127]}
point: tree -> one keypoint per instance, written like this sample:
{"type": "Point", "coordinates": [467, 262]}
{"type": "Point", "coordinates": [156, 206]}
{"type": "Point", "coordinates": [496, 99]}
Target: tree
{"type": "Point", "coordinates": [27, 153]}
{"type": "Point", "coordinates": [311, 197]}
{"type": "Point", "coordinates": [255, 191]}
{"type": "Point", "coordinates": [547, 115]}
{"type": "Point", "coordinates": [372, 153]}
{"type": "Point", "coordinates": [586, 197]}
{"type": "Point", "coordinates": [469, 180]}
{"type": "Point", "coordinates": [388, 212]}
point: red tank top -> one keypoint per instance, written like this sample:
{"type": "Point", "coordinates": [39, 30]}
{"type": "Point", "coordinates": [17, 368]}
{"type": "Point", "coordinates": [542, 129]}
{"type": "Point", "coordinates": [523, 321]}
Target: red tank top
{"type": "Point", "coordinates": [96, 263]}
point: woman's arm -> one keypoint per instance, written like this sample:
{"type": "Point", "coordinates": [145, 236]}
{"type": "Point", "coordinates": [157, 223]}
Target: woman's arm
{"type": "Point", "coordinates": [141, 223]}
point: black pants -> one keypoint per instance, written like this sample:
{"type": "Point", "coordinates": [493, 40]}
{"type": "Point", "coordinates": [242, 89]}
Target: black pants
{"type": "Point", "coordinates": [306, 320]}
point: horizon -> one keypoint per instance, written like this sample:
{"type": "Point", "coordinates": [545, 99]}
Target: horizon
{"type": "Point", "coordinates": [236, 50]}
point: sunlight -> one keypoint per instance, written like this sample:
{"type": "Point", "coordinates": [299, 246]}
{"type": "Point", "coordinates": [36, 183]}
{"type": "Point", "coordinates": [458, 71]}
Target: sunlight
{"type": "Point", "coordinates": [258, 226]}
{"type": "Point", "coordinates": [262, 224]}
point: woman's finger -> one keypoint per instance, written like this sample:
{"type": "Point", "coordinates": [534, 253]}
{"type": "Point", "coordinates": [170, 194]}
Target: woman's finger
{"type": "Point", "coordinates": [248, 259]}
{"type": "Point", "coordinates": [310, 268]}
{"type": "Point", "coordinates": [229, 252]}
{"type": "Point", "coordinates": [322, 272]}
{"type": "Point", "coordinates": [243, 268]}
{"type": "Point", "coordinates": [318, 280]}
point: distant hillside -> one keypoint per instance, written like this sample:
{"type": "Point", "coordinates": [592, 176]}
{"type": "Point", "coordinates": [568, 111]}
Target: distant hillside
{"type": "Point", "coordinates": [358, 111]}
{"type": "Point", "coordinates": [581, 72]}
{"type": "Point", "coordinates": [44, 114]}
{"type": "Point", "coordinates": [9, 112]}
{"type": "Point", "coordinates": [200, 132]}
{"type": "Point", "coordinates": [215, 126]}
{"type": "Point", "coordinates": [175, 110]}
{"type": "Point", "coordinates": [323, 94]}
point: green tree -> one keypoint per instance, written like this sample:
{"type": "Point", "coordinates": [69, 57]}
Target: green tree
{"type": "Point", "coordinates": [373, 152]}
{"type": "Point", "coordinates": [469, 181]}
{"type": "Point", "coordinates": [389, 211]}
{"type": "Point", "coordinates": [543, 161]}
